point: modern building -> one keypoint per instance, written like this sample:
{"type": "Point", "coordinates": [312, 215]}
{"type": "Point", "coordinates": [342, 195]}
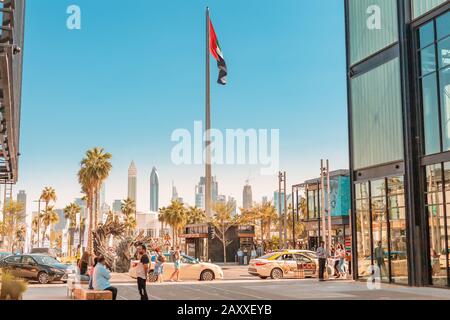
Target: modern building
{"type": "Point", "coordinates": [83, 206]}
{"type": "Point", "coordinates": [117, 206]}
{"type": "Point", "coordinates": [22, 199]}
{"type": "Point", "coordinates": [61, 224]}
{"type": "Point", "coordinates": [339, 206]}
{"type": "Point", "coordinates": [148, 223]}
{"type": "Point", "coordinates": [11, 58]}
{"type": "Point", "coordinates": [276, 199]}
{"type": "Point", "coordinates": [265, 200]}
{"type": "Point", "coordinates": [200, 192]}
{"type": "Point", "coordinates": [11, 61]}
{"type": "Point", "coordinates": [398, 59]}
{"type": "Point", "coordinates": [132, 182]}
{"type": "Point", "coordinates": [154, 190]}
{"type": "Point", "coordinates": [247, 200]}
{"type": "Point", "coordinates": [202, 241]}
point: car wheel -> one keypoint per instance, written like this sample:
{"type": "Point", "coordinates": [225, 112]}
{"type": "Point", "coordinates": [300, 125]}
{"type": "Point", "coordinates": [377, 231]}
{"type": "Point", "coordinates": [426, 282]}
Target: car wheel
{"type": "Point", "coordinates": [264, 278]}
{"type": "Point", "coordinates": [43, 277]}
{"type": "Point", "coordinates": [276, 273]}
{"type": "Point", "coordinates": [151, 276]}
{"type": "Point", "coordinates": [207, 275]}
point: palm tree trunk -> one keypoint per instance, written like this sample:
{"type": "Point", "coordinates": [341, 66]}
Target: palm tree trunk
{"type": "Point", "coordinates": [90, 242]}
{"type": "Point", "coordinates": [96, 208]}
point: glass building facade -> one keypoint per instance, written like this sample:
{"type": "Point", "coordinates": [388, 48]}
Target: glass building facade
{"type": "Point", "coordinates": [398, 60]}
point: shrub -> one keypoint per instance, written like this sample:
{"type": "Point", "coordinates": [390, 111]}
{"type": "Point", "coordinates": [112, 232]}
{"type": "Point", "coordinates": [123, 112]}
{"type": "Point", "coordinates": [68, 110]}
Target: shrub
{"type": "Point", "coordinates": [11, 287]}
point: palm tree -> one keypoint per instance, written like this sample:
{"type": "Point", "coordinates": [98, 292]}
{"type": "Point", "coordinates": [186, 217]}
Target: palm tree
{"type": "Point", "coordinates": [13, 218]}
{"type": "Point", "coordinates": [49, 218]}
{"type": "Point", "coordinates": [95, 169]}
{"type": "Point", "coordinates": [195, 215]}
{"type": "Point", "coordinates": [174, 215]}
{"type": "Point", "coordinates": [162, 218]}
{"type": "Point", "coordinates": [35, 229]}
{"type": "Point", "coordinates": [48, 194]}
{"type": "Point", "coordinates": [129, 211]}
{"type": "Point", "coordinates": [130, 223]}
{"type": "Point", "coordinates": [70, 213]}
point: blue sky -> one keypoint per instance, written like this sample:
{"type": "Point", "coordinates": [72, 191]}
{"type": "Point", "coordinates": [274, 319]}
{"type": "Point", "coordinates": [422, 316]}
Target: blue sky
{"type": "Point", "coordinates": [133, 74]}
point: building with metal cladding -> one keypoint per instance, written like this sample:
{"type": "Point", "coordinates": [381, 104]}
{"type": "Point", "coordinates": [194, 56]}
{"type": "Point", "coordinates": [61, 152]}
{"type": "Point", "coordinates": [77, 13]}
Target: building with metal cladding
{"type": "Point", "coordinates": [132, 182]}
{"type": "Point", "coordinates": [247, 200]}
{"type": "Point", "coordinates": [154, 190]}
{"type": "Point", "coordinates": [11, 57]}
{"type": "Point", "coordinates": [398, 63]}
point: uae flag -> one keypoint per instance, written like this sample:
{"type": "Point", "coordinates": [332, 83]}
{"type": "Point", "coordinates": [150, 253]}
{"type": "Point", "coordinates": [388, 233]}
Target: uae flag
{"type": "Point", "coordinates": [216, 52]}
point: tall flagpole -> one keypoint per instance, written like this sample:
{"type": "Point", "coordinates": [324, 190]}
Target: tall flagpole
{"type": "Point", "coordinates": [208, 124]}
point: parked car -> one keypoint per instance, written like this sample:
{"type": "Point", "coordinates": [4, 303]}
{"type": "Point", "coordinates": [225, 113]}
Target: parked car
{"type": "Point", "coordinates": [283, 264]}
{"type": "Point", "coordinates": [191, 269]}
{"type": "Point", "coordinates": [39, 267]}
{"type": "Point", "coordinates": [47, 251]}
{"type": "Point", "coordinates": [4, 254]}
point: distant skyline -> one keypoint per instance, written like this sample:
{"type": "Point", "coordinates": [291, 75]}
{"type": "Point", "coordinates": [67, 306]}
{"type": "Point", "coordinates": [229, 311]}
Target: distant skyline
{"type": "Point", "coordinates": [128, 79]}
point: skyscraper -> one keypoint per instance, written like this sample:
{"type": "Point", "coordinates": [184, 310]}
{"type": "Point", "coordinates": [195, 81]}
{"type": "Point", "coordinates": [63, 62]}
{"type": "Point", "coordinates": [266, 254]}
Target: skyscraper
{"type": "Point", "coordinates": [117, 206]}
{"type": "Point", "coordinates": [132, 182]}
{"type": "Point", "coordinates": [154, 190]}
{"type": "Point", "coordinates": [200, 192]}
{"type": "Point", "coordinates": [247, 196]}
{"type": "Point", "coordinates": [22, 199]}
{"type": "Point", "coordinates": [174, 192]}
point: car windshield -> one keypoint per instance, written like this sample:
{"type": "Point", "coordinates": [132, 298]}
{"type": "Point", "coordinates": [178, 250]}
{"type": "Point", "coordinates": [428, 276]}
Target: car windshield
{"type": "Point", "coordinates": [46, 260]}
{"type": "Point", "coordinates": [267, 256]}
{"type": "Point", "coordinates": [188, 259]}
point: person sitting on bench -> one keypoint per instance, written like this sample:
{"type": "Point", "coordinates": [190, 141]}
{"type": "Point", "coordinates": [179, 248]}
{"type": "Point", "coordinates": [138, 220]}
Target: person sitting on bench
{"type": "Point", "coordinates": [101, 278]}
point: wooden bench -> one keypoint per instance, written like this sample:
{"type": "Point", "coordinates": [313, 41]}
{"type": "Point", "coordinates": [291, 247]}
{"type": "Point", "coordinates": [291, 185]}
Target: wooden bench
{"type": "Point", "coordinates": [72, 283]}
{"type": "Point", "coordinates": [86, 294]}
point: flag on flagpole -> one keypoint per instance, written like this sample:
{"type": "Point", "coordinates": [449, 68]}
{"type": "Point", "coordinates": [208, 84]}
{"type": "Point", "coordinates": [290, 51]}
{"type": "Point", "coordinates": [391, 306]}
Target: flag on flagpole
{"type": "Point", "coordinates": [216, 52]}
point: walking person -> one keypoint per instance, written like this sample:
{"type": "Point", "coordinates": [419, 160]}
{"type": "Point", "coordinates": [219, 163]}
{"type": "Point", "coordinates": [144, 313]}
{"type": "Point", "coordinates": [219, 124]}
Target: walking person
{"type": "Point", "coordinates": [322, 255]}
{"type": "Point", "coordinates": [177, 264]}
{"type": "Point", "coordinates": [379, 257]}
{"type": "Point", "coordinates": [102, 277]}
{"type": "Point", "coordinates": [142, 271]}
{"type": "Point", "coordinates": [159, 265]}
{"type": "Point", "coordinates": [341, 265]}
{"type": "Point", "coordinates": [337, 261]}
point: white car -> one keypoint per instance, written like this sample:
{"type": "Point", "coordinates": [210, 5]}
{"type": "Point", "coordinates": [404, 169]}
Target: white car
{"type": "Point", "coordinates": [191, 269]}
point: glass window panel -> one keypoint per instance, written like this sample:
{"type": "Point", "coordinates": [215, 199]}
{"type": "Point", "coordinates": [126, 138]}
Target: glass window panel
{"type": "Point", "coordinates": [363, 243]}
{"type": "Point", "coordinates": [446, 253]}
{"type": "Point", "coordinates": [367, 36]}
{"type": "Point", "coordinates": [434, 178]}
{"type": "Point", "coordinates": [444, 52]}
{"type": "Point", "coordinates": [421, 7]}
{"type": "Point", "coordinates": [431, 114]}
{"type": "Point", "coordinates": [395, 185]}
{"type": "Point", "coordinates": [437, 236]}
{"type": "Point", "coordinates": [377, 118]}
{"type": "Point", "coordinates": [362, 190]}
{"type": "Point", "coordinates": [426, 34]}
{"type": "Point", "coordinates": [398, 254]}
{"type": "Point", "coordinates": [428, 60]}
{"type": "Point", "coordinates": [444, 79]}
{"type": "Point", "coordinates": [380, 236]}
{"type": "Point", "coordinates": [378, 188]}
{"type": "Point", "coordinates": [443, 25]}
